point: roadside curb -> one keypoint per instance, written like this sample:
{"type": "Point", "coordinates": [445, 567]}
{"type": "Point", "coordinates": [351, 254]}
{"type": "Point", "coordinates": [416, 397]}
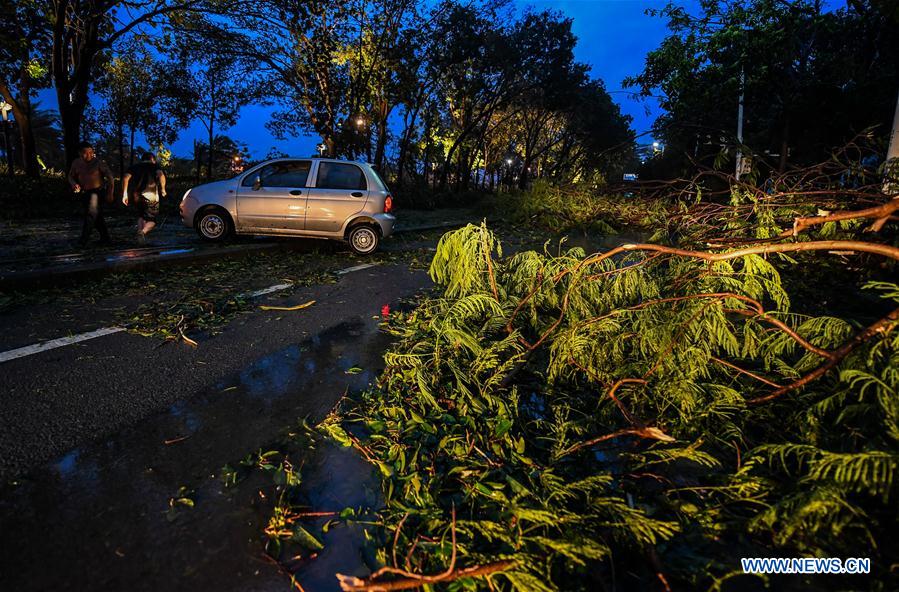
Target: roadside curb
{"type": "Point", "coordinates": [51, 277]}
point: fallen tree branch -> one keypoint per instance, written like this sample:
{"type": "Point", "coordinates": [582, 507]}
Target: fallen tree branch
{"type": "Point", "coordinates": [810, 246]}
{"type": "Point", "coordinates": [354, 584]}
{"type": "Point", "coordinates": [881, 214]}
{"type": "Point", "coordinates": [631, 419]}
{"type": "Point", "coordinates": [744, 371]}
{"type": "Point", "coordinates": [648, 433]}
{"type": "Point", "coordinates": [838, 355]}
{"type": "Point", "coordinates": [762, 315]}
{"type": "Point", "coordinates": [409, 580]}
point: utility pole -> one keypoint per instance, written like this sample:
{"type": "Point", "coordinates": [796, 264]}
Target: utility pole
{"type": "Point", "coordinates": [891, 166]}
{"type": "Point", "coordinates": [740, 125]}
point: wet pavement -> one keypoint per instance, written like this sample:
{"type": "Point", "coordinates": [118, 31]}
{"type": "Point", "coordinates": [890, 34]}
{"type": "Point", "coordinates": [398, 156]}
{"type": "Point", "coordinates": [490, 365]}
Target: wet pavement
{"type": "Point", "coordinates": [53, 401]}
{"type": "Point", "coordinates": [99, 517]}
{"type": "Point", "coordinates": [43, 252]}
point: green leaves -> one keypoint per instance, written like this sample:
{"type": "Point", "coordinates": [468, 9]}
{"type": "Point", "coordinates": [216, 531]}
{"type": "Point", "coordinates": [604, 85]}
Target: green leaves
{"type": "Point", "coordinates": [462, 264]}
{"type": "Point", "coordinates": [331, 428]}
{"type": "Point", "coordinates": [183, 499]}
{"type": "Point", "coordinates": [485, 391]}
{"type": "Point", "coordinates": [305, 539]}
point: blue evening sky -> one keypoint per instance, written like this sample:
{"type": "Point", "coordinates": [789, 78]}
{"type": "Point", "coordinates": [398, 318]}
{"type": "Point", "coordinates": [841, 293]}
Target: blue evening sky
{"type": "Point", "coordinates": [613, 39]}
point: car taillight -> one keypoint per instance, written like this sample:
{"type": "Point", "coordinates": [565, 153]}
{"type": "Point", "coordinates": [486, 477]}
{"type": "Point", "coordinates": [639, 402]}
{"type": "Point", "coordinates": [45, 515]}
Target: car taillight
{"type": "Point", "coordinates": [388, 205]}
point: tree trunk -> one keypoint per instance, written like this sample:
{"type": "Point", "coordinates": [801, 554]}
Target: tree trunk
{"type": "Point", "coordinates": [29, 149]}
{"type": "Point", "coordinates": [784, 146]}
{"type": "Point", "coordinates": [426, 157]}
{"type": "Point", "coordinates": [70, 117]}
{"type": "Point", "coordinates": [404, 145]}
{"type": "Point", "coordinates": [408, 130]}
{"type": "Point", "coordinates": [444, 170]}
{"type": "Point", "coordinates": [209, 155]}
{"type": "Point", "coordinates": [461, 160]}
{"type": "Point", "coordinates": [382, 140]}
{"type": "Point", "coordinates": [212, 89]}
{"type": "Point", "coordinates": [131, 146]}
{"type": "Point", "coordinates": [72, 80]}
{"type": "Point", "coordinates": [21, 110]}
{"type": "Point", "coordinates": [449, 155]}
{"type": "Point", "coordinates": [524, 177]}
{"type": "Point", "coordinates": [121, 142]}
{"type": "Point", "coordinates": [197, 159]}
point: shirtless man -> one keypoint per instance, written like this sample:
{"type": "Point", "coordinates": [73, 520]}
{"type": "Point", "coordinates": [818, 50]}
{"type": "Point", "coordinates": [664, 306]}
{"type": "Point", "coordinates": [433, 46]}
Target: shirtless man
{"type": "Point", "coordinates": [91, 178]}
{"type": "Point", "coordinates": [146, 190]}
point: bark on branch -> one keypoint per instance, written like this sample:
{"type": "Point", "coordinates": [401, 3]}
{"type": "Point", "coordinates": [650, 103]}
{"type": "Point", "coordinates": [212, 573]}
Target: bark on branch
{"type": "Point", "coordinates": [409, 580]}
{"type": "Point", "coordinates": [647, 433]}
{"type": "Point", "coordinates": [862, 336]}
{"type": "Point", "coordinates": [881, 214]}
{"type": "Point", "coordinates": [354, 584]}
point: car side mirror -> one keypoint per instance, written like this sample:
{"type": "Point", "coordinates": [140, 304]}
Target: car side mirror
{"type": "Point", "coordinates": [257, 183]}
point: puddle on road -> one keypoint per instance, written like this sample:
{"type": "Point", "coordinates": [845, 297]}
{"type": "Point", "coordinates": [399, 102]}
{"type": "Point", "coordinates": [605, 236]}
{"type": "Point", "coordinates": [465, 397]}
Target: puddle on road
{"type": "Point", "coordinates": [98, 518]}
{"type": "Point", "coordinates": [133, 254]}
{"type": "Point", "coordinates": [335, 478]}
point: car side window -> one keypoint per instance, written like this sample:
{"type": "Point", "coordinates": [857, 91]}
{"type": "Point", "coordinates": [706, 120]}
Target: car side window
{"type": "Point", "coordinates": [338, 175]}
{"type": "Point", "coordinates": [289, 173]}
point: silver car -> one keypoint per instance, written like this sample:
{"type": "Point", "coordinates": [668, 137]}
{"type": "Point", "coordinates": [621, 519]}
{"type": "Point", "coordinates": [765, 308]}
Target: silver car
{"type": "Point", "coordinates": [312, 197]}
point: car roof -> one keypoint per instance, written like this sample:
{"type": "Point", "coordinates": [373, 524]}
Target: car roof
{"type": "Point", "coordinates": [318, 158]}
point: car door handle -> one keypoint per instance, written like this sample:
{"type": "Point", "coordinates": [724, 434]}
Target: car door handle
{"type": "Point", "coordinates": [357, 194]}
{"type": "Point", "coordinates": [297, 192]}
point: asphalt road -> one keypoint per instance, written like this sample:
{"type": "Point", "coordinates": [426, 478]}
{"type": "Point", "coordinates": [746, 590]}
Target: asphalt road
{"type": "Point", "coordinates": [98, 437]}
{"type": "Point", "coordinates": [54, 401]}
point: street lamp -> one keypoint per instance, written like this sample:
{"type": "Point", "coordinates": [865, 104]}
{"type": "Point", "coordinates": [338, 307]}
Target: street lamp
{"type": "Point", "coordinates": [5, 108]}
{"type": "Point", "coordinates": [508, 175]}
{"type": "Point", "coordinates": [360, 122]}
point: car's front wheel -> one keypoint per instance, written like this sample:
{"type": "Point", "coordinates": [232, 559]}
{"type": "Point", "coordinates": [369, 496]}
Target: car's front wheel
{"type": "Point", "coordinates": [363, 240]}
{"type": "Point", "coordinates": [214, 225]}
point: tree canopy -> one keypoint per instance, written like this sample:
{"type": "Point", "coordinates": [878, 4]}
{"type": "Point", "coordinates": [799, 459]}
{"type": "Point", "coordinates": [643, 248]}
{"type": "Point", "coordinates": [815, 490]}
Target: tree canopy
{"type": "Point", "coordinates": [812, 78]}
{"type": "Point", "coordinates": [452, 94]}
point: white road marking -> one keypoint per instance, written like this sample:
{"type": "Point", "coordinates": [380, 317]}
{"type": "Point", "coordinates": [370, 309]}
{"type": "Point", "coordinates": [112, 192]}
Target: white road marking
{"type": "Point", "coordinates": [63, 341]}
{"type": "Point", "coordinates": [54, 343]}
{"type": "Point", "coordinates": [356, 268]}
{"type": "Point", "coordinates": [269, 290]}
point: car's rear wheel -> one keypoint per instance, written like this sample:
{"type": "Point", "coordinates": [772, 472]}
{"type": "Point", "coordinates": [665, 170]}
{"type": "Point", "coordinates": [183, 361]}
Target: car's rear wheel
{"type": "Point", "coordinates": [363, 239]}
{"type": "Point", "coordinates": [214, 225]}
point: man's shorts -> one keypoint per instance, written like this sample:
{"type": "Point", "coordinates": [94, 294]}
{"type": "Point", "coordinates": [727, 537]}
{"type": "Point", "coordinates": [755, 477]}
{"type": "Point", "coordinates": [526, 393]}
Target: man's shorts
{"type": "Point", "coordinates": [148, 208]}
